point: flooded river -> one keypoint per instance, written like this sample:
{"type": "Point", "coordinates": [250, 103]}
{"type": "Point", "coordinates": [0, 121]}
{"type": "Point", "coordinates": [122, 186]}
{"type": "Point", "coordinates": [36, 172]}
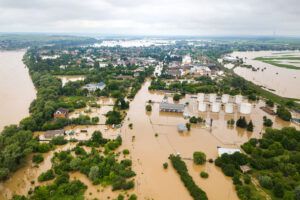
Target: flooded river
{"type": "Point", "coordinates": [284, 81]}
{"type": "Point", "coordinates": [16, 88]}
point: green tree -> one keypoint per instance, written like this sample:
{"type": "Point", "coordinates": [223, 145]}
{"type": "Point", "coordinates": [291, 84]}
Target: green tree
{"type": "Point", "coordinates": [199, 158]}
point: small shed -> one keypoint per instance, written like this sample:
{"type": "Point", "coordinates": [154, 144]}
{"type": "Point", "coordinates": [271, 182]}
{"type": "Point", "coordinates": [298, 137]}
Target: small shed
{"type": "Point", "coordinates": [181, 128]}
{"type": "Point", "coordinates": [245, 168]}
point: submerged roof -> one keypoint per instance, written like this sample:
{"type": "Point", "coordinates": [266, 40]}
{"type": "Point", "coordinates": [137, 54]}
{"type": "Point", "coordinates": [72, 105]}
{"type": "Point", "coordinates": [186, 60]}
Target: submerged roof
{"type": "Point", "coordinates": [171, 106]}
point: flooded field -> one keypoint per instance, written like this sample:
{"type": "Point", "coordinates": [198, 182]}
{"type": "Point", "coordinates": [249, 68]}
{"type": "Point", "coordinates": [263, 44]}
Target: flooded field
{"type": "Point", "coordinates": [153, 138]}
{"type": "Point", "coordinates": [284, 81]}
{"type": "Point", "coordinates": [16, 88]}
{"type": "Point", "coordinates": [69, 78]}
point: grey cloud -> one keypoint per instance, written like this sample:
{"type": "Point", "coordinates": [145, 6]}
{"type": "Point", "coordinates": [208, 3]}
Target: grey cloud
{"type": "Point", "coordinates": [173, 17]}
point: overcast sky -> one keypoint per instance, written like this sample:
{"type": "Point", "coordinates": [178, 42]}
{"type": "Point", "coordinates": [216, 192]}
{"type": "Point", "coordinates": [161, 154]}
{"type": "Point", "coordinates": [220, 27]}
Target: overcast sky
{"type": "Point", "coordinates": [153, 17]}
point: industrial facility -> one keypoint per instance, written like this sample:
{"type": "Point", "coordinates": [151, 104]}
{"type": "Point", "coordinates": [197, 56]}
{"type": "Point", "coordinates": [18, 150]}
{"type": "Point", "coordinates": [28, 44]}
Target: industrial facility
{"type": "Point", "coordinates": [226, 102]}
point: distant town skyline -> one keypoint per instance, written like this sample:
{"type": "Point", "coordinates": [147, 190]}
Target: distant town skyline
{"type": "Point", "coordinates": [153, 17]}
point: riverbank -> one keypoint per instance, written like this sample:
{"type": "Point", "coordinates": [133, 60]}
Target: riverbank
{"type": "Point", "coordinates": [16, 88]}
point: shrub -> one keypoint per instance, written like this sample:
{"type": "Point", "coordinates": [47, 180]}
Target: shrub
{"type": "Point", "coordinates": [199, 158]}
{"type": "Point", "coordinates": [148, 108]}
{"type": "Point", "coordinates": [37, 158]}
{"type": "Point", "coordinates": [59, 140]}
{"type": "Point", "coordinates": [46, 176]}
{"type": "Point", "coordinates": [266, 182]}
{"type": "Point", "coordinates": [125, 151]}
{"type": "Point", "coordinates": [203, 174]}
{"type": "Point", "coordinates": [176, 97]}
{"type": "Point", "coordinates": [165, 165]}
{"type": "Point", "coordinates": [283, 113]}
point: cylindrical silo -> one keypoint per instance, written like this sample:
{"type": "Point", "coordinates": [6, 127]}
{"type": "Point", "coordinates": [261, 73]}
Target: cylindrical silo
{"type": "Point", "coordinates": [225, 98]}
{"type": "Point", "coordinates": [200, 97]}
{"type": "Point", "coordinates": [238, 99]}
{"type": "Point", "coordinates": [212, 97]}
{"type": "Point", "coordinates": [215, 107]}
{"type": "Point", "coordinates": [202, 106]}
{"type": "Point", "coordinates": [228, 108]}
{"type": "Point", "coordinates": [245, 108]}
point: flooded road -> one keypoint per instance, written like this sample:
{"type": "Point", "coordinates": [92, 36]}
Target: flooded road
{"type": "Point", "coordinates": [284, 81]}
{"type": "Point", "coordinates": [16, 88]}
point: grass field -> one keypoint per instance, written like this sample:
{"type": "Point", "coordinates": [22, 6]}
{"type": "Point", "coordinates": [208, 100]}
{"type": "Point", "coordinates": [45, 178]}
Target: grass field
{"type": "Point", "coordinates": [274, 61]}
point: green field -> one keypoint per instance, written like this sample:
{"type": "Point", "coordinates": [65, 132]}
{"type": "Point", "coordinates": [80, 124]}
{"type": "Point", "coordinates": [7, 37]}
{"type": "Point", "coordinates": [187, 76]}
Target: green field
{"type": "Point", "coordinates": [274, 61]}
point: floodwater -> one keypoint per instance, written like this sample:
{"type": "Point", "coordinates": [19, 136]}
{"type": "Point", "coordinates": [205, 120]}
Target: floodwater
{"type": "Point", "coordinates": [148, 152]}
{"type": "Point", "coordinates": [26, 178]}
{"type": "Point", "coordinates": [70, 78]}
{"type": "Point", "coordinates": [284, 81]}
{"type": "Point", "coordinates": [16, 88]}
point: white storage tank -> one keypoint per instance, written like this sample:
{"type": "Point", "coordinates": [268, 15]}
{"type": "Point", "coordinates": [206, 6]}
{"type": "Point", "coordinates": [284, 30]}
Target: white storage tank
{"type": "Point", "coordinates": [245, 108]}
{"type": "Point", "coordinates": [200, 97]}
{"type": "Point", "coordinates": [228, 108]}
{"type": "Point", "coordinates": [238, 99]}
{"type": "Point", "coordinates": [202, 106]}
{"type": "Point", "coordinates": [225, 98]}
{"type": "Point", "coordinates": [212, 97]}
{"type": "Point", "coordinates": [215, 107]}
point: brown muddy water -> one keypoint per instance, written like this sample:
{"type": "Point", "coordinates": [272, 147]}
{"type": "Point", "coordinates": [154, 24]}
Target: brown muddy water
{"type": "Point", "coordinates": [16, 88]}
{"type": "Point", "coordinates": [149, 152]}
{"type": "Point", "coordinates": [285, 82]}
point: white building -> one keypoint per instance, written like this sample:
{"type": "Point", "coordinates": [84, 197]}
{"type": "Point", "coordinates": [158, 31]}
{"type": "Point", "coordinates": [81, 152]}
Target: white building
{"type": "Point", "coordinates": [212, 97]}
{"type": "Point", "coordinates": [187, 60]}
{"type": "Point", "coordinates": [215, 107]}
{"type": "Point", "coordinates": [202, 106]}
{"type": "Point", "coordinates": [245, 108]}
{"type": "Point", "coordinates": [200, 97]}
{"type": "Point", "coordinates": [229, 151]}
{"type": "Point", "coordinates": [225, 98]}
{"type": "Point", "coordinates": [229, 108]}
{"type": "Point", "coordinates": [92, 87]}
{"type": "Point", "coordinates": [238, 99]}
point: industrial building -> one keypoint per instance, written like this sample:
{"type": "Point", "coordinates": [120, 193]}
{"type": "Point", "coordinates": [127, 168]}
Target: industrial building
{"type": "Point", "coordinates": [170, 107]}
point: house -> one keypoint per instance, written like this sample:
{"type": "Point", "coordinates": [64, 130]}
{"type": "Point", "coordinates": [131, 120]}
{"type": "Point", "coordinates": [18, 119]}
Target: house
{"type": "Point", "coordinates": [92, 87]}
{"type": "Point", "coordinates": [228, 151]}
{"type": "Point", "coordinates": [53, 133]}
{"type": "Point", "coordinates": [175, 72]}
{"type": "Point", "coordinates": [61, 113]}
{"type": "Point", "coordinates": [169, 107]}
{"type": "Point", "coordinates": [245, 168]}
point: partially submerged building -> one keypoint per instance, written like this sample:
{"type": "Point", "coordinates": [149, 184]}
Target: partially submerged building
{"type": "Point", "coordinates": [92, 87]}
{"type": "Point", "coordinates": [228, 151]}
{"type": "Point", "coordinates": [170, 107]}
{"type": "Point", "coordinates": [53, 133]}
{"type": "Point", "coordinates": [61, 113]}
{"type": "Point", "coordinates": [181, 128]}
{"type": "Point", "coordinates": [245, 108]}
